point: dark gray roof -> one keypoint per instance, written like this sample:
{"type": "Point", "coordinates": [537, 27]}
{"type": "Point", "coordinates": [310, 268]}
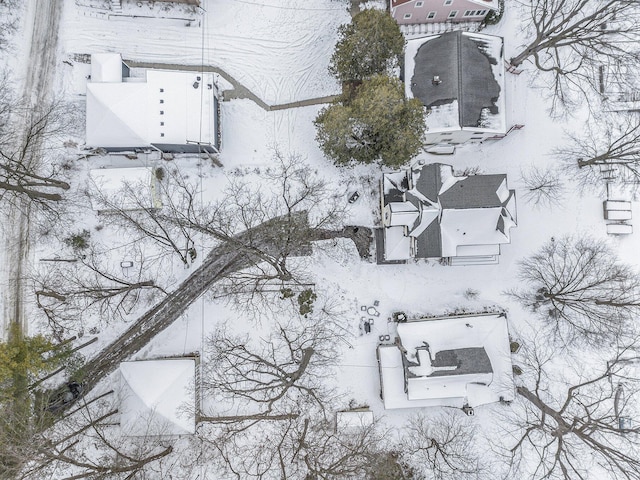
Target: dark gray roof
{"type": "Point", "coordinates": [475, 191]}
{"type": "Point", "coordinates": [466, 361]}
{"type": "Point", "coordinates": [429, 181]}
{"type": "Point", "coordinates": [465, 72]}
{"type": "Point", "coordinates": [429, 242]}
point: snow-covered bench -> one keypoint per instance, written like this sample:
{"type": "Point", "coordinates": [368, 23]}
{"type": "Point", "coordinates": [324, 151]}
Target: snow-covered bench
{"type": "Point", "coordinates": [619, 229]}
{"type": "Point", "coordinates": [617, 210]}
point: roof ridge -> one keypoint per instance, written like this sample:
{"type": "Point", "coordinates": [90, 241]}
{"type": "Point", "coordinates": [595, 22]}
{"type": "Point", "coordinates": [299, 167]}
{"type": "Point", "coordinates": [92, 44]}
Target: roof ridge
{"type": "Point", "coordinates": [460, 62]}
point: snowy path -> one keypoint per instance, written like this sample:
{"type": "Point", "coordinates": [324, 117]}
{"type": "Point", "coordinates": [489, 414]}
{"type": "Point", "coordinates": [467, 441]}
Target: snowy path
{"type": "Point", "coordinates": [279, 49]}
{"type": "Point", "coordinates": [37, 89]}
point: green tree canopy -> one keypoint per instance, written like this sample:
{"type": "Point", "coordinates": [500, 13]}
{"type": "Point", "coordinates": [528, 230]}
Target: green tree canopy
{"type": "Point", "coordinates": [23, 358]}
{"type": "Point", "coordinates": [379, 123]}
{"type": "Point", "coordinates": [371, 44]}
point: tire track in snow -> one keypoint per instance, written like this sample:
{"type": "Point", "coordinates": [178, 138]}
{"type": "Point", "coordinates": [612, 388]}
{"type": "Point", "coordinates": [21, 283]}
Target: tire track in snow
{"type": "Point", "coordinates": [36, 90]}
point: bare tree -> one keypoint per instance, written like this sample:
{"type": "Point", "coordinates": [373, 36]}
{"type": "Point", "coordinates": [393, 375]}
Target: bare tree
{"type": "Point", "coordinates": [568, 428]}
{"type": "Point", "coordinates": [91, 282]}
{"type": "Point", "coordinates": [607, 152]}
{"type": "Point", "coordinates": [302, 447]}
{"type": "Point", "coordinates": [288, 367]}
{"type": "Point", "coordinates": [24, 132]}
{"type": "Point", "coordinates": [294, 204]}
{"type": "Point", "coordinates": [441, 448]}
{"type": "Point", "coordinates": [133, 210]}
{"type": "Point", "coordinates": [543, 186]}
{"type": "Point", "coordinates": [8, 20]}
{"type": "Point", "coordinates": [578, 287]}
{"type": "Point", "coordinates": [267, 224]}
{"type": "Point", "coordinates": [333, 453]}
{"type": "Point", "coordinates": [570, 39]}
{"type": "Point", "coordinates": [88, 443]}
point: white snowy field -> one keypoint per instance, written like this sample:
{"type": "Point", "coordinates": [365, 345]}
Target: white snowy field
{"type": "Point", "coordinates": [278, 49]}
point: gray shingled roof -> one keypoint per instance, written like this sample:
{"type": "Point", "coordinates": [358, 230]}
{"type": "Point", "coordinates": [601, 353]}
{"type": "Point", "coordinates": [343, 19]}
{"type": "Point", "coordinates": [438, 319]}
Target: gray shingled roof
{"type": "Point", "coordinates": [465, 72]}
{"type": "Point", "coordinates": [475, 191]}
{"type": "Point", "coordinates": [429, 242]}
{"type": "Point", "coordinates": [467, 360]}
{"type": "Point", "coordinates": [429, 181]}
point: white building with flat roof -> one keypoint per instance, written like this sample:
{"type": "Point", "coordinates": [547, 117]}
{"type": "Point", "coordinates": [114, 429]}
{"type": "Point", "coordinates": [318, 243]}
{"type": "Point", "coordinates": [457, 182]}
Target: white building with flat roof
{"type": "Point", "coordinates": [131, 109]}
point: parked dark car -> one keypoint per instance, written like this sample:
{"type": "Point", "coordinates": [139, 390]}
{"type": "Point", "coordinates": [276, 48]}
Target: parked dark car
{"type": "Point", "coordinates": [65, 396]}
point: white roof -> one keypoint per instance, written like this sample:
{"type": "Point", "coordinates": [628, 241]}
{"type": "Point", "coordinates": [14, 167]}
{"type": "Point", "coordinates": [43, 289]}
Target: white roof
{"type": "Point", "coordinates": [353, 419]}
{"type": "Point", "coordinates": [111, 182]}
{"type": "Point", "coordinates": [157, 397]}
{"type": "Point", "coordinates": [397, 246]}
{"type": "Point", "coordinates": [106, 67]}
{"type": "Point", "coordinates": [490, 4]}
{"type": "Point", "coordinates": [401, 214]}
{"type": "Point", "coordinates": [392, 379]}
{"type": "Point", "coordinates": [485, 331]}
{"type": "Point", "coordinates": [470, 226]}
{"type": "Point", "coordinates": [162, 107]}
{"type": "Point", "coordinates": [117, 115]}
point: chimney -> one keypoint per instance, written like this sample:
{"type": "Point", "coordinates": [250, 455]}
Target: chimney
{"type": "Point", "coordinates": [436, 80]}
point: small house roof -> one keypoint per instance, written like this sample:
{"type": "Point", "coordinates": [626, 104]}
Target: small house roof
{"type": "Point", "coordinates": [353, 419]}
{"type": "Point", "coordinates": [106, 67]}
{"type": "Point", "coordinates": [469, 92]}
{"type": "Point", "coordinates": [157, 397]}
{"type": "Point", "coordinates": [112, 182]}
{"type": "Point", "coordinates": [451, 360]}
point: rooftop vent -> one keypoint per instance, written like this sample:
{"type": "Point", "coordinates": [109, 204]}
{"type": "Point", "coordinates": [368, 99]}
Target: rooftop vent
{"type": "Point", "coordinates": [436, 80]}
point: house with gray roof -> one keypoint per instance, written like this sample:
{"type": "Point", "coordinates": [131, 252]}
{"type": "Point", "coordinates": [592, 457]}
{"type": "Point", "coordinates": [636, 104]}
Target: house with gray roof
{"type": "Point", "coordinates": [457, 361]}
{"type": "Point", "coordinates": [429, 212]}
{"type": "Point", "coordinates": [459, 77]}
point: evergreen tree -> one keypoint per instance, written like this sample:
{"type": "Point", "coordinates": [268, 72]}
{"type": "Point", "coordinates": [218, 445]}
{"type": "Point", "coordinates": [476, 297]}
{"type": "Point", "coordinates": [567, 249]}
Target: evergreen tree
{"type": "Point", "coordinates": [371, 44]}
{"type": "Point", "coordinates": [379, 123]}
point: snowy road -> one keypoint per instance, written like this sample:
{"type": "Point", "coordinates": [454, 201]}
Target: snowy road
{"type": "Point", "coordinates": [278, 49]}
{"type": "Point", "coordinates": [41, 35]}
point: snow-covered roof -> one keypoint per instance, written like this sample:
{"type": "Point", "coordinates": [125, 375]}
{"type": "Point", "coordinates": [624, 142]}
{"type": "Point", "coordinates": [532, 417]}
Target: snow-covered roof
{"type": "Point", "coordinates": [159, 108]}
{"type": "Point", "coordinates": [447, 215]}
{"type": "Point", "coordinates": [157, 397]}
{"type": "Point", "coordinates": [492, 4]}
{"type": "Point", "coordinates": [353, 419]}
{"type": "Point", "coordinates": [451, 361]}
{"type": "Point", "coordinates": [470, 92]}
{"type": "Point", "coordinates": [400, 213]}
{"type": "Point", "coordinates": [112, 182]}
{"type": "Point", "coordinates": [392, 382]}
{"type": "Point", "coordinates": [470, 226]}
{"type": "Point", "coordinates": [106, 67]}
{"type": "Point", "coordinates": [397, 245]}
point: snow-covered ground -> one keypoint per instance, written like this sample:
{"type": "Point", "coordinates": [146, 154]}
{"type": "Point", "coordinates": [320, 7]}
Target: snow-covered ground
{"type": "Point", "coordinates": [279, 49]}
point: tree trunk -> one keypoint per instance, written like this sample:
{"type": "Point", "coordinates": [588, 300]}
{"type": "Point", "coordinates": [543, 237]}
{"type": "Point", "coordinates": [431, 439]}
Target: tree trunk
{"type": "Point", "coordinates": [242, 418]}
